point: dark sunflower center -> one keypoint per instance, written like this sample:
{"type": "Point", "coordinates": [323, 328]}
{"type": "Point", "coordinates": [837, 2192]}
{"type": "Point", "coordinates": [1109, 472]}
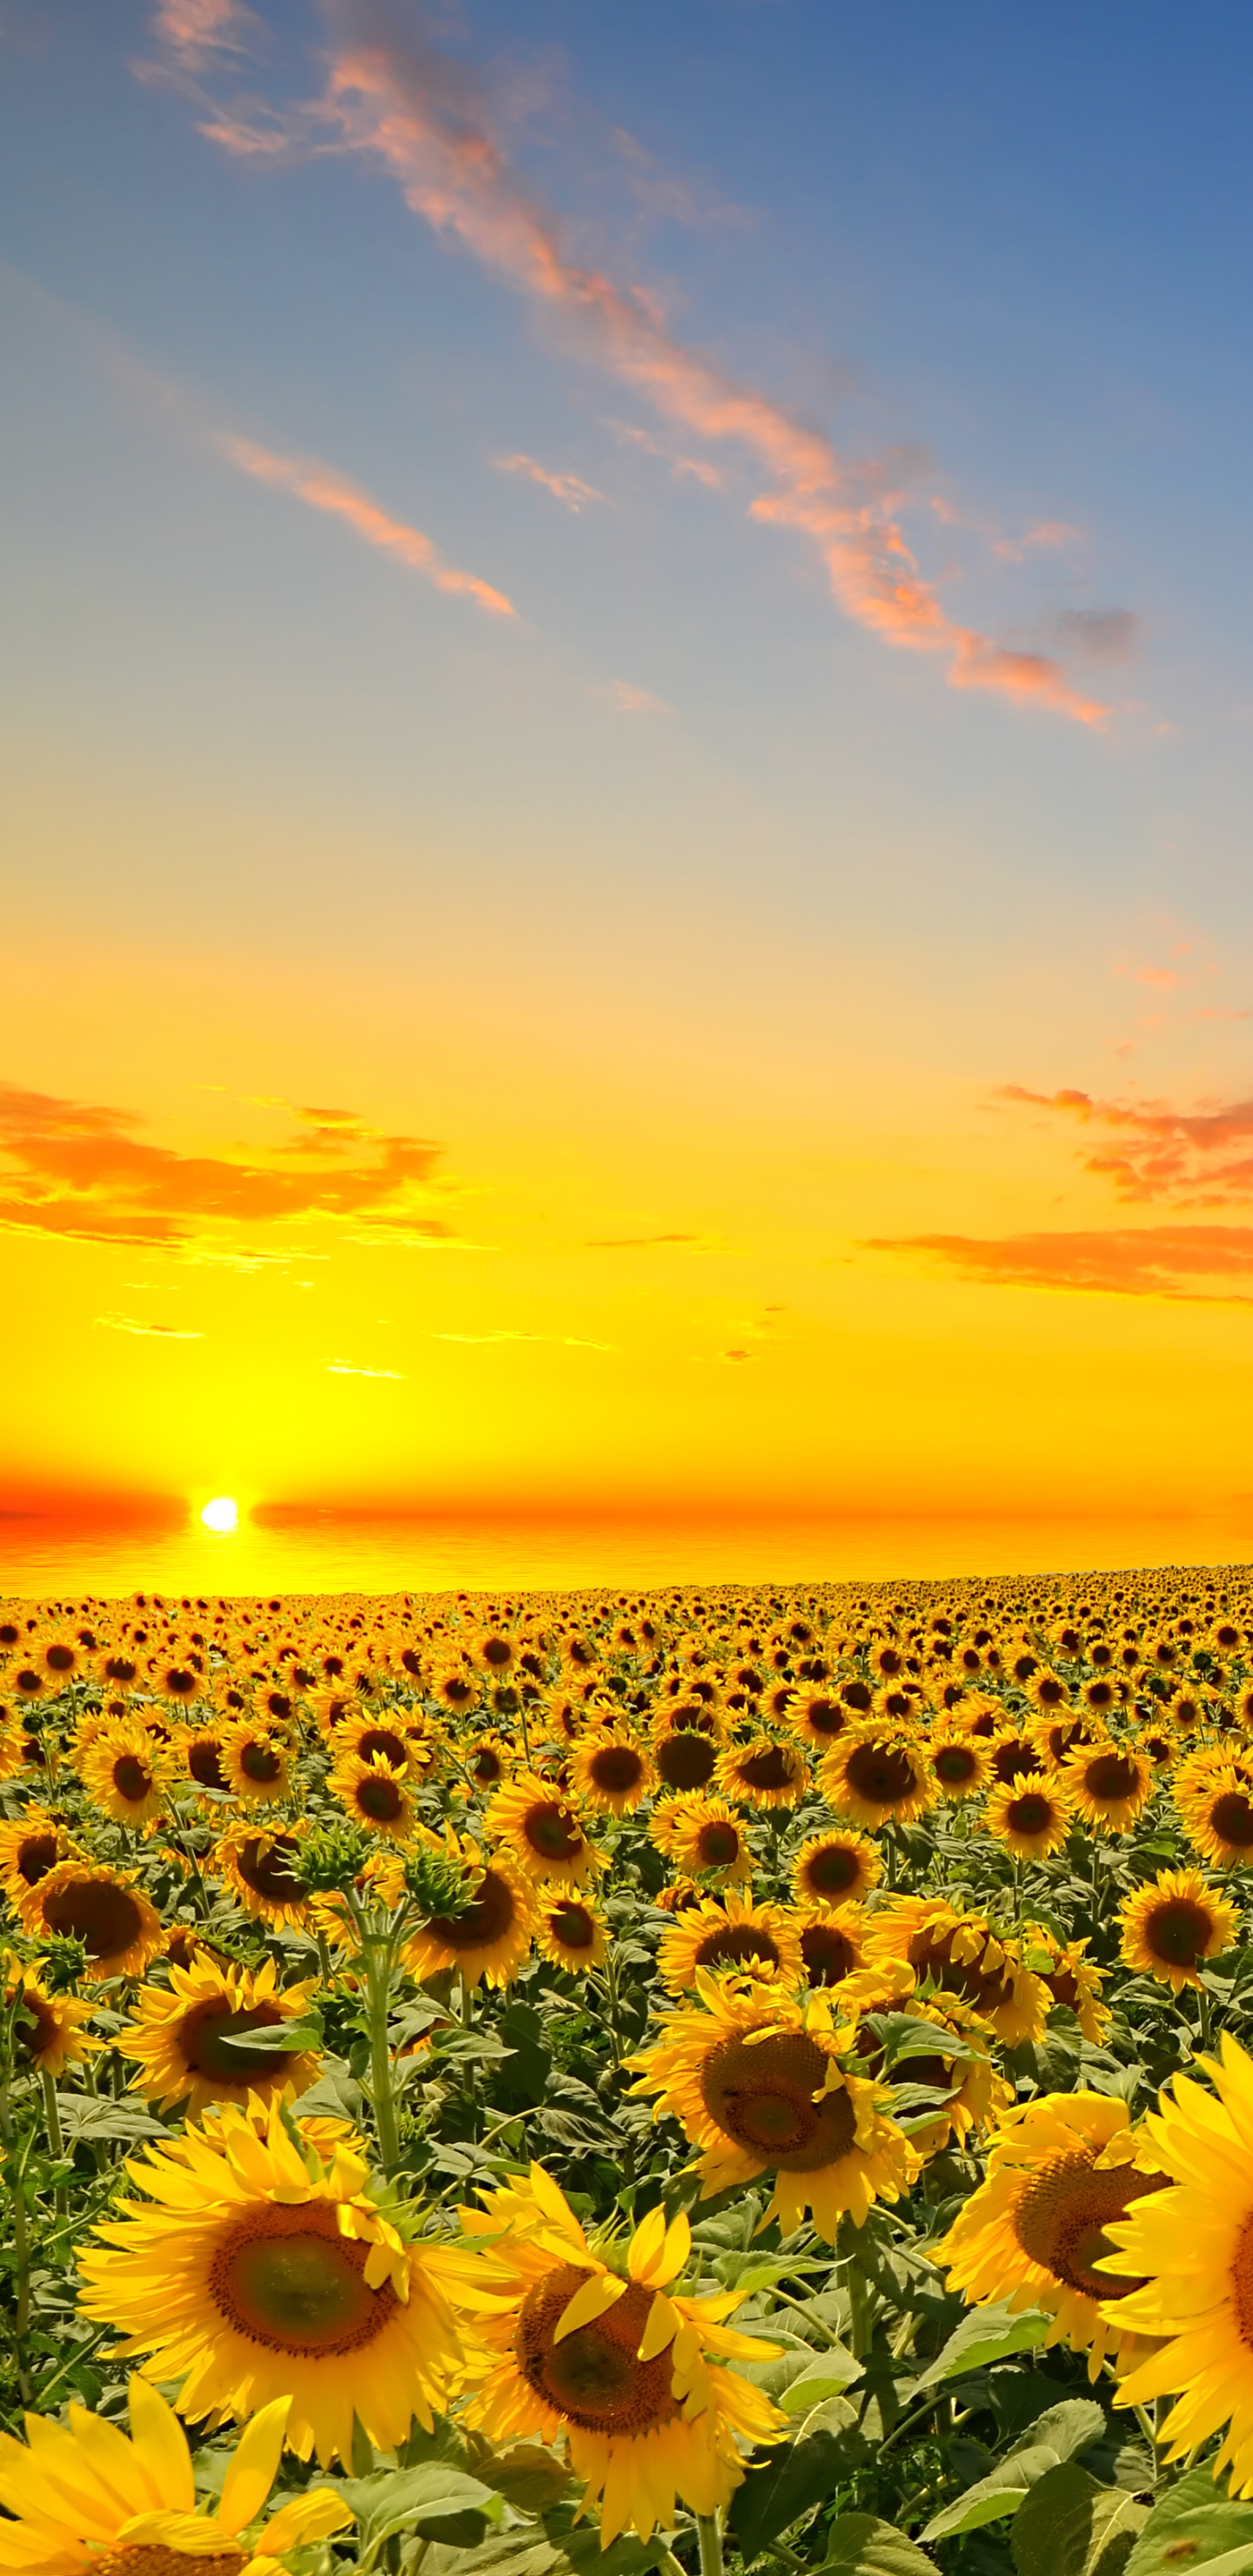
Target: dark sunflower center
{"type": "Point", "coordinates": [881, 1774]}
{"type": "Point", "coordinates": [260, 1762]}
{"type": "Point", "coordinates": [485, 1921]}
{"type": "Point", "coordinates": [1231, 1818]}
{"type": "Point", "coordinates": [592, 2377]}
{"type": "Point", "coordinates": [551, 1831]}
{"type": "Point", "coordinates": [209, 2042]}
{"type": "Point", "coordinates": [286, 2280]}
{"type": "Point", "coordinates": [954, 1765]}
{"type": "Point", "coordinates": [35, 2025]}
{"type": "Point", "coordinates": [1030, 1814]}
{"type": "Point", "coordinates": [574, 1926]}
{"type": "Point", "coordinates": [769, 1769]}
{"type": "Point", "coordinates": [686, 1761]}
{"type": "Point", "coordinates": [616, 1767]}
{"type": "Point", "coordinates": [825, 1717]}
{"type": "Point", "coordinates": [132, 1779]}
{"type": "Point", "coordinates": [762, 2096]}
{"type": "Point", "coordinates": [204, 1761]}
{"type": "Point", "coordinates": [103, 1917]}
{"type": "Point", "coordinates": [382, 1800]}
{"type": "Point", "coordinates": [859, 1696]}
{"type": "Point", "coordinates": [717, 1845]}
{"type": "Point", "coordinates": [266, 1868]}
{"type": "Point", "coordinates": [831, 1870]}
{"type": "Point", "coordinates": [1178, 1930]}
{"type": "Point", "coordinates": [498, 1653]}
{"type": "Point", "coordinates": [180, 1684]}
{"type": "Point", "coordinates": [60, 1659]}
{"type": "Point", "coordinates": [1111, 1777]}
{"type": "Point", "coordinates": [1011, 1759]}
{"type": "Point", "coordinates": [155, 2558]}
{"type": "Point", "coordinates": [1061, 2219]}
{"type": "Point", "coordinates": [486, 1767]}
{"type": "Point", "coordinates": [931, 1953]}
{"type": "Point", "coordinates": [828, 1954]}
{"type": "Point", "coordinates": [734, 1941]}
{"type": "Point", "coordinates": [384, 1740]}
{"type": "Point", "coordinates": [36, 1855]}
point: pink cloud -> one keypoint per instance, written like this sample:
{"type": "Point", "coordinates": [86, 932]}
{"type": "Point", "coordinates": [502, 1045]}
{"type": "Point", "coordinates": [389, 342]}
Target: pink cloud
{"type": "Point", "coordinates": [195, 30]}
{"type": "Point", "coordinates": [322, 489]}
{"type": "Point", "coordinates": [631, 701]}
{"type": "Point", "coordinates": [400, 103]}
{"type": "Point", "coordinates": [1197, 1158]}
{"type": "Point", "coordinates": [569, 489]}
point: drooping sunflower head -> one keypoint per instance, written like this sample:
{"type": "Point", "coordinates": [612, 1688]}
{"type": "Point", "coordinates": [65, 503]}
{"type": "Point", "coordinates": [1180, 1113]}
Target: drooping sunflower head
{"type": "Point", "coordinates": [84, 2497]}
{"type": "Point", "coordinates": [755, 2077]}
{"type": "Point", "coordinates": [611, 1772]}
{"type": "Point", "coordinates": [127, 1772]}
{"type": "Point", "coordinates": [1069, 1977]}
{"type": "Point", "coordinates": [1172, 1926]}
{"type": "Point", "coordinates": [48, 2029]}
{"type": "Point", "coordinates": [1218, 1814]}
{"type": "Point", "coordinates": [704, 1836]}
{"type": "Point", "coordinates": [1061, 2170]}
{"type": "Point", "coordinates": [615, 2361]}
{"type": "Point", "coordinates": [541, 1830]}
{"type": "Point", "coordinates": [105, 1909]}
{"type": "Point", "coordinates": [875, 1778]}
{"type": "Point", "coordinates": [835, 1869]}
{"type": "Point", "coordinates": [726, 1932]}
{"type": "Point", "coordinates": [1111, 1784]}
{"type": "Point", "coordinates": [763, 1772]}
{"type": "Point", "coordinates": [203, 2039]}
{"type": "Point", "coordinates": [569, 1931]}
{"type": "Point", "coordinates": [490, 1939]}
{"type": "Point", "coordinates": [262, 2268]}
{"type": "Point", "coordinates": [1032, 1817]}
{"type": "Point", "coordinates": [961, 1954]}
{"type": "Point", "coordinates": [970, 2091]}
{"type": "Point", "coordinates": [375, 1792]}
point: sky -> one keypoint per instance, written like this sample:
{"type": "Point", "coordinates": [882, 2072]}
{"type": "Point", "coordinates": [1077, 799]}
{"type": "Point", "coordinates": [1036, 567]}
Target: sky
{"type": "Point", "coordinates": [626, 700]}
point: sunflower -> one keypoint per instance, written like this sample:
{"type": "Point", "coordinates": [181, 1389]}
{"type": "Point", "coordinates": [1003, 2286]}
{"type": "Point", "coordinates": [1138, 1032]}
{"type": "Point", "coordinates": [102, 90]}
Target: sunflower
{"type": "Point", "coordinates": [1072, 1980]}
{"type": "Point", "coordinates": [126, 1773]}
{"type": "Point", "coordinates": [103, 1908]}
{"type": "Point", "coordinates": [29, 1848]}
{"type": "Point", "coordinates": [1111, 1784]}
{"type": "Point", "coordinates": [541, 1830]}
{"type": "Point", "coordinates": [1173, 1924]}
{"type": "Point", "coordinates": [200, 1752]}
{"type": "Point", "coordinates": [1060, 2170]}
{"type": "Point", "coordinates": [833, 1943]}
{"type": "Point", "coordinates": [570, 1932]}
{"type": "Point", "coordinates": [267, 2269]}
{"type": "Point", "coordinates": [83, 2497]}
{"type": "Point", "coordinates": [48, 2029]}
{"type": "Point", "coordinates": [816, 1717]}
{"type": "Point", "coordinates": [1013, 1754]}
{"type": "Point", "coordinates": [961, 1954]}
{"type": "Point", "coordinates": [1218, 1817]}
{"type": "Point", "coordinates": [976, 2093]}
{"type": "Point", "coordinates": [491, 1939]}
{"type": "Point", "coordinates": [877, 1779]}
{"type": "Point", "coordinates": [456, 1689]}
{"type": "Point", "coordinates": [376, 1795]}
{"type": "Point", "coordinates": [1031, 1817]}
{"type": "Point", "coordinates": [763, 1773]}
{"type": "Point", "coordinates": [704, 1836]}
{"type": "Point", "coordinates": [367, 1732]}
{"type": "Point", "coordinates": [187, 2039]}
{"type": "Point", "coordinates": [1189, 2267]}
{"type": "Point", "coordinates": [611, 1772]}
{"type": "Point", "coordinates": [489, 1759]}
{"type": "Point", "coordinates": [257, 1864]}
{"type": "Point", "coordinates": [835, 1868]}
{"type": "Point", "coordinates": [723, 1932]}
{"type": "Point", "coordinates": [685, 1758]}
{"type": "Point", "coordinates": [753, 2076]}
{"type": "Point", "coordinates": [633, 2375]}
{"type": "Point", "coordinates": [256, 1761]}
{"type": "Point", "coordinates": [959, 1765]}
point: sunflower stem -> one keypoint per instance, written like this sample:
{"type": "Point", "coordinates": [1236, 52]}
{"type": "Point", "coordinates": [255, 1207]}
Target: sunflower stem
{"type": "Point", "coordinates": [378, 1997]}
{"type": "Point", "coordinates": [710, 2539]}
{"type": "Point", "coordinates": [52, 2115]}
{"type": "Point", "coordinates": [324, 1960]}
{"type": "Point", "coordinates": [21, 2249]}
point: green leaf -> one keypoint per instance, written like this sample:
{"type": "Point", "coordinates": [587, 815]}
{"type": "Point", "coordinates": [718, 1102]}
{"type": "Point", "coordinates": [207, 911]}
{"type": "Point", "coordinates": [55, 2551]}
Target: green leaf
{"type": "Point", "coordinates": [829, 2376]}
{"type": "Point", "coordinates": [791, 2482]}
{"type": "Point", "coordinates": [434, 2502]}
{"type": "Point", "coordinates": [987, 2334]}
{"type": "Point", "coordinates": [1070, 2525]}
{"type": "Point", "coordinates": [1195, 2525]}
{"type": "Point", "coordinates": [992, 2498]}
{"type": "Point", "coordinates": [1067, 2429]}
{"type": "Point", "coordinates": [861, 2545]}
{"type": "Point", "coordinates": [92, 2115]}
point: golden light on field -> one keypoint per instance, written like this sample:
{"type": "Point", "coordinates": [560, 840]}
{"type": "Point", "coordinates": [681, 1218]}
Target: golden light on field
{"type": "Point", "coordinates": [221, 1514]}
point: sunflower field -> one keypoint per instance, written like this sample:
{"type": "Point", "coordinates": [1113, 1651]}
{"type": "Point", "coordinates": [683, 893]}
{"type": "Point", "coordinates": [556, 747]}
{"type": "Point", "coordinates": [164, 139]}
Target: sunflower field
{"type": "Point", "coordinates": [707, 2080]}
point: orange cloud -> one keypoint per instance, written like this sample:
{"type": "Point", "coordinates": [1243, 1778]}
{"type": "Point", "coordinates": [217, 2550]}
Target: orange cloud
{"type": "Point", "coordinates": [1201, 1158]}
{"type": "Point", "coordinates": [194, 30]}
{"type": "Point", "coordinates": [322, 489]}
{"type": "Point", "coordinates": [569, 489]}
{"type": "Point", "coordinates": [400, 102]}
{"type": "Point", "coordinates": [66, 1513]}
{"type": "Point", "coordinates": [1150, 1261]}
{"type": "Point", "coordinates": [74, 1168]}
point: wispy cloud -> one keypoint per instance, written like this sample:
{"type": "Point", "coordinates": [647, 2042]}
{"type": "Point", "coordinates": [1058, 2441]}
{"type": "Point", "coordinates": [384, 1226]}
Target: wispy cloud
{"type": "Point", "coordinates": [159, 1332]}
{"type": "Point", "coordinates": [348, 1368]}
{"type": "Point", "coordinates": [639, 1242]}
{"type": "Point", "coordinates": [320, 488]}
{"type": "Point", "coordinates": [197, 31]}
{"type": "Point", "coordinates": [570, 489]}
{"type": "Point", "coordinates": [1051, 533]}
{"type": "Point", "coordinates": [397, 101]}
{"type": "Point", "coordinates": [1197, 1158]}
{"type": "Point", "coordinates": [76, 1168]}
{"type": "Point", "coordinates": [698, 467]}
{"type": "Point", "coordinates": [560, 1341]}
{"type": "Point", "coordinates": [1187, 1263]}
{"type": "Point", "coordinates": [632, 701]}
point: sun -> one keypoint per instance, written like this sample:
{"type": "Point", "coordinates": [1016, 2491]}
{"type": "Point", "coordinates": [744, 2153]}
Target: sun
{"type": "Point", "coordinates": [221, 1514]}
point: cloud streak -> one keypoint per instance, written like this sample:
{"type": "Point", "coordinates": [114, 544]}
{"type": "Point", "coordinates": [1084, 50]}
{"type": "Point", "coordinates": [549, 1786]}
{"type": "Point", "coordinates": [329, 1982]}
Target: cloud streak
{"type": "Point", "coordinates": [195, 31]}
{"type": "Point", "coordinates": [570, 489]}
{"type": "Point", "coordinates": [1171, 1261]}
{"type": "Point", "coordinates": [321, 488]}
{"type": "Point", "coordinates": [76, 1168]}
{"type": "Point", "coordinates": [1197, 1158]}
{"type": "Point", "coordinates": [158, 1332]}
{"type": "Point", "coordinates": [395, 101]}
